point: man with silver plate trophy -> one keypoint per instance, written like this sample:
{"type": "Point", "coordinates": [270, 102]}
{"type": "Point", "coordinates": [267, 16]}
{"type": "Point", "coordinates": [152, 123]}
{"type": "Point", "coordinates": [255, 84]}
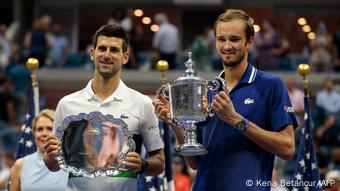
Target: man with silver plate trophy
{"type": "Point", "coordinates": [99, 130]}
{"type": "Point", "coordinates": [188, 103]}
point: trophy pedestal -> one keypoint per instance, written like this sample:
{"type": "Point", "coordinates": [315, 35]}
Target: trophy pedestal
{"type": "Point", "coordinates": [190, 147]}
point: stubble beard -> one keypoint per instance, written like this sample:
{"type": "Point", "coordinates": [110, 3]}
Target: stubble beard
{"type": "Point", "coordinates": [233, 63]}
{"type": "Point", "coordinates": [106, 73]}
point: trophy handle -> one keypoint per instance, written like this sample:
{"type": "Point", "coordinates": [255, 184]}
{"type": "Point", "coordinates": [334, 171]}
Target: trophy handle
{"type": "Point", "coordinates": [163, 91]}
{"type": "Point", "coordinates": [214, 86]}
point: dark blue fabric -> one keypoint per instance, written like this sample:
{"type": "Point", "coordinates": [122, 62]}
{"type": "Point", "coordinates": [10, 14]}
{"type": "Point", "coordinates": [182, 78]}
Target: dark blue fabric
{"type": "Point", "coordinates": [137, 138]}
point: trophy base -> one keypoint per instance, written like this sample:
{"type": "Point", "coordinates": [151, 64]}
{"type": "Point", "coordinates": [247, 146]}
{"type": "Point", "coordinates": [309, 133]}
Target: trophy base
{"type": "Point", "coordinates": [191, 149]}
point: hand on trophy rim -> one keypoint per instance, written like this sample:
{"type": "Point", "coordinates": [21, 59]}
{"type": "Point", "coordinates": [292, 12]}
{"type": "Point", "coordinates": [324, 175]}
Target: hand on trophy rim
{"type": "Point", "coordinates": [52, 146]}
{"type": "Point", "coordinates": [133, 162]}
{"type": "Point", "coordinates": [162, 108]}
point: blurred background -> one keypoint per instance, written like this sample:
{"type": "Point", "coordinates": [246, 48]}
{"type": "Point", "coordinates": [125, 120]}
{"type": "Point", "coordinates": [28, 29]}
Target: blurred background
{"type": "Point", "coordinates": [304, 32]}
{"type": "Point", "coordinates": [59, 34]}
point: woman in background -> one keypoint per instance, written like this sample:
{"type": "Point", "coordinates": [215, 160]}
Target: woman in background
{"type": "Point", "coordinates": [30, 172]}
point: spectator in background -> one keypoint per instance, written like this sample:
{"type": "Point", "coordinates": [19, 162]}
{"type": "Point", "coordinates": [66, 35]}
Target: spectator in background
{"type": "Point", "coordinates": [329, 98]}
{"type": "Point", "coordinates": [320, 59]}
{"type": "Point", "coordinates": [38, 41]}
{"type": "Point", "coordinates": [16, 56]}
{"type": "Point", "coordinates": [7, 160]}
{"type": "Point", "coordinates": [5, 48]}
{"type": "Point", "coordinates": [327, 123]}
{"type": "Point", "coordinates": [60, 46]}
{"type": "Point", "coordinates": [271, 47]}
{"type": "Point", "coordinates": [337, 85]}
{"type": "Point", "coordinates": [131, 28]}
{"type": "Point", "coordinates": [328, 141]}
{"type": "Point", "coordinates": [336, 48]}
{"type": "Point", "coordinates": [21, 79]}
{"type": "Point", "coordinates": [296, 96]}
{"type": "Point", "coordinates": [18, 72]}
{"type": "Point", "coordinates": [19, 75]}
{"type": "Point", "coordinates": [7, 102]}
{"type": "Point", "coordinates": [202, 48]}
{"type": "Point", "coordinates": [180, 174]}
{"type": "Point", "coordinates": [166, 40]}
{"type": "Point", "coordinates": [8, 128]}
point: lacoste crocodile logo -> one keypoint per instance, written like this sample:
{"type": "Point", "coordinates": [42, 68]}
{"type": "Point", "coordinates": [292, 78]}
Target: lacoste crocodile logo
{"type": "Point", "coordinates": [248, 101]}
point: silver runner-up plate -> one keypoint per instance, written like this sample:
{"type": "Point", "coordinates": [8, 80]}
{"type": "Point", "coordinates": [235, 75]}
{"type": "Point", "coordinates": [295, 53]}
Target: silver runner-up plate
{"type": "Point", "coordinates": [93, 145]}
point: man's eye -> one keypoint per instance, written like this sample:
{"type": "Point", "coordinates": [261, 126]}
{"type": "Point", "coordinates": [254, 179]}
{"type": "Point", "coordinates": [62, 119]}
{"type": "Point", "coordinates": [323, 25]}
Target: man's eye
{"type": "Point", "coordinates": [234, 39]}
{"type": "Point", "coordinates": [114, 50]}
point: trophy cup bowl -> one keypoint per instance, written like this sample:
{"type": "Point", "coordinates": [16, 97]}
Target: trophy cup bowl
{"type": "Point", "coordinates": [93, 145]}
{"type": "Point", "coordinates": [189, 105]}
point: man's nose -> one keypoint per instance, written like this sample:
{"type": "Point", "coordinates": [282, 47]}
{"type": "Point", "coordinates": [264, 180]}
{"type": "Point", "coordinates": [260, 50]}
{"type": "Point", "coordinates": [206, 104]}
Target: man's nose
{"type": "Point", "coordinates": [227, 45]}
{"type": "Point", "coordinates": [107, 53]}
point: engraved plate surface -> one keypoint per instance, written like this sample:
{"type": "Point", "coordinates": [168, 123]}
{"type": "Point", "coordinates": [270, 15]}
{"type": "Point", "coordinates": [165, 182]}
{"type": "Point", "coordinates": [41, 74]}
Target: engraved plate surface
{"type": "Point", "coordinates": [187, 100]}
{"type": "Point", "coordinates": [93, 144]}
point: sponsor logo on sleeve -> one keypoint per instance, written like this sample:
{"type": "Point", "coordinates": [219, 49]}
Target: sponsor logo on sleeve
{"type": "Point", "coordinates": [152, 127]}
{"type": "Point", "coordinates": [289, 109]}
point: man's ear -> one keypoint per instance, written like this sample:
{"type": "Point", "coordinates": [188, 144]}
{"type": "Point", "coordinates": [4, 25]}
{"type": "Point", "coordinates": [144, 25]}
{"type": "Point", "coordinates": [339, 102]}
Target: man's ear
{"type": "Point", "coordinates": [91, 52]}
{"type": "Point", "coordinates": [125, 57]}
{"type": "Point", "coordinates": [250, 43]}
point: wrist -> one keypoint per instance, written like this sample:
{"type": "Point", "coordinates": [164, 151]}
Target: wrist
{"type": "Point", "coordinates": [235, 119]}
{"type": "Point", "coordinates": [144, 166]}
{"type": "Point", "coordinates": [242, 125]}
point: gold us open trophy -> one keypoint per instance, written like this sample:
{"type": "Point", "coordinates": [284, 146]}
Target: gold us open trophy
{"type": "Point", "coordinates": [189, 105]}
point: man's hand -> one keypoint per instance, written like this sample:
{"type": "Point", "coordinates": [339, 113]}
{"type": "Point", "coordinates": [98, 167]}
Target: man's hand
{"type": "Point", "coordinates": [133, 162]}
{"type": "Point", "coordinates": [224, 108]}
{"type": "Point", "coordinates": [51, 150]}
{"type": "Point", "coordinates": [162, 108]}
{"type": "Point", "coordinates": [51, 147]}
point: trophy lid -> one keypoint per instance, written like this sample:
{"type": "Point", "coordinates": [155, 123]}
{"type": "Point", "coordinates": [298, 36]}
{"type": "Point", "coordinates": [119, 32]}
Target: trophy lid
{"type": "Point", "coordinates": [189, 64]}
{"type": "Point", "coordinates": [190, 73]}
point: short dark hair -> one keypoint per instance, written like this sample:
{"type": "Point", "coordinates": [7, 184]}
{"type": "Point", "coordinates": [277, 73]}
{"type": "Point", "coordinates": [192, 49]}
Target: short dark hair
{"type": "Point", "coordinates": [232, 14]}
{"type": "Point", "coordinates": [112, 30]}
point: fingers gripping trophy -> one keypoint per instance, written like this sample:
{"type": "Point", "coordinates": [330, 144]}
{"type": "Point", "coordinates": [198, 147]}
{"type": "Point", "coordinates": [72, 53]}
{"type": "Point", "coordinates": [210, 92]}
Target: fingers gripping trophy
{"type": "Point", "coordinates": [189, 105]}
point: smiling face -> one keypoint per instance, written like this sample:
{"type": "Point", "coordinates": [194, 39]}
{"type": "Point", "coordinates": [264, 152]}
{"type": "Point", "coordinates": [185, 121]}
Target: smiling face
{"type": "Point", "coordinates": [231, 42]}
{"type": "Point", "coordinates": [43, 128]}
{"type": "Point", "coordinates": [108, 56]}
